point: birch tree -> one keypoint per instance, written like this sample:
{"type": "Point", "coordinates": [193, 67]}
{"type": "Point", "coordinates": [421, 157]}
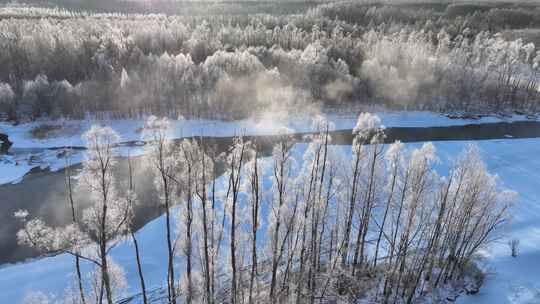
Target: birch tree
{"type": "Point", "coordinates": [161, 155]}
{"type": "Point", "coordinates": [102, 225]}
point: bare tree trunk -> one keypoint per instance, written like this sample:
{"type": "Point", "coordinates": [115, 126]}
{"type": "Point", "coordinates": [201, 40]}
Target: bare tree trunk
{"type": "Point", "coordinates": [166, 193]}
{"type": "Point", "coordinates": [234, 183]}
{"type": "Point", "coordinates": [352, 203]}
{"type": "Point", "coordinates": [189, 220]}
{"type": "Point", "coordinates": [255, 224]}
{"type": "Point", "coordinates": [292, 247]}
{"type": "Point", "coordinates": [434, 242]}
{"type": "Point", "coordinates": [315, 217]}
{"type": "Point", "coordinates": [387, 208]}
{"type": "Point", "coordinates": [134, 239]}
{"type": "Point", "coordinates": [170, 251]}
{"type": "Point", "coordinates": [139, 268]}
{"type": "Point", "coordinates": [214, 242]}
{"type": "Point", "coordinates": [299, 282]}
{"type": "Point", "coordinates": [103, 255]}
{"type": "Point", "coordinates": [324, 223]}
{"type": "Point", "coordinates": [279, 171]}
{"type": "Point", "coordinates": [102, 239]}
{"type": "Point", "coordinates": [303, 254]}
{"type": "Point", "coordinates": [392, 266]}
{"type": "Point", "coordinates": [206, 228]}
{"type": "Point", "coordinates": [74, 220]}
{"type": "Point", "coordinates": [366, 214]}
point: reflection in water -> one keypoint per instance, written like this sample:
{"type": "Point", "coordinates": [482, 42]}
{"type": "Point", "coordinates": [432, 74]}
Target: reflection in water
{"type": "Point", "coordinates": [44, 195]}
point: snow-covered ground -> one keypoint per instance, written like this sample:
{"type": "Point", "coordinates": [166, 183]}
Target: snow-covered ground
{"type": "Point", "coordinates": [30, 153]}
{"type": "Point", "coordinates": [130, 129]}
{"type": "Point", "coordinates": [12, 169]}
{"type": "Point", "coordinates": [514, 280]}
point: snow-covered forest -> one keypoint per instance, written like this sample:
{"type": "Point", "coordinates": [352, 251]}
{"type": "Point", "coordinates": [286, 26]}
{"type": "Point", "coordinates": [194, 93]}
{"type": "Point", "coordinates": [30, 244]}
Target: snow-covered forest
{"type": "Point", "coordinates": [269, 151]}
{"type": "Point", "coordinates": [372, 223]}
{"type": "Point", "coordinates": [57, 62]}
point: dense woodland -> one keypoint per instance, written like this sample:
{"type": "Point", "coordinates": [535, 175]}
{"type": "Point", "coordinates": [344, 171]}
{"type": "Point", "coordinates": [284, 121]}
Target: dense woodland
{"type": "Point", "coordinates": [309, 222]}
{"type": "Point", "coordinates": [374, 222]}
{"type": "Point", "coordinates": [477, 58]}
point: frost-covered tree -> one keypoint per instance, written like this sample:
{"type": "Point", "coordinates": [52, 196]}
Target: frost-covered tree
{"type": "Point", "coordinates": [7, 98]}
{"type": "Point", "coordinates": [279, 230]}
{"type": "Point", "coordinates": [337, 52]}
{"type": "Point", "coordinates": [109, 218]}
{"type": "Point", "coordinates": [131, 199]}
{"type": "Point", "coordinates": [367, 130]}
{"type": "Point", "coordinates": [102, 225]}
{"type": "Point", "coordinates": [290, 228]}
{"type": "Point", "coordinates": [235, 162]}
{"type": "Point", "coordinates": [162, 157]}
{"type": "Point", "coordinates": [254, 189]}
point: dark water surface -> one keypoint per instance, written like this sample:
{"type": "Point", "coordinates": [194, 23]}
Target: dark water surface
{"type": "Point", "coordinates": [43, 193]}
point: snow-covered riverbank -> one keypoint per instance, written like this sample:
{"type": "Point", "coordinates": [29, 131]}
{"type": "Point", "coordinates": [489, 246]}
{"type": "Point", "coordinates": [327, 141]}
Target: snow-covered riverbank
{"type": "Point", "coordinates": [69, 132]}
{"type": "Point", "coordinates": [514, 280]}
{"type": "Point", "coordinates": [29, 151]}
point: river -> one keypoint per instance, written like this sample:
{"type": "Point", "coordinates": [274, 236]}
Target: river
{"type": "Point", "coordinates": [43, 193]}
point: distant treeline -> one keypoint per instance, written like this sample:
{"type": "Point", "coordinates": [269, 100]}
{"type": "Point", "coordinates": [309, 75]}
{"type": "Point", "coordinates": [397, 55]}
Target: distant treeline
{"type": "Point", "coordinates": [57, 62]}
{"type": "Point", "coordinates": [180, 7]}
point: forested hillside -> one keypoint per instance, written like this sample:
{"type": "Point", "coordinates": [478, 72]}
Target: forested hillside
{"type": "Point", "coordinates": [175, 151]}
{"type": "Point", "coordinates": [427, 56]}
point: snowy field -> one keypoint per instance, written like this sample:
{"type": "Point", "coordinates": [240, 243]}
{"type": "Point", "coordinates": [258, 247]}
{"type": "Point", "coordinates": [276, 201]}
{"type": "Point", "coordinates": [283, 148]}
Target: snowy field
{"type": "Point", "coordinates": [29, 151]}
{"type": "Point", "coordinates": [511, 280]}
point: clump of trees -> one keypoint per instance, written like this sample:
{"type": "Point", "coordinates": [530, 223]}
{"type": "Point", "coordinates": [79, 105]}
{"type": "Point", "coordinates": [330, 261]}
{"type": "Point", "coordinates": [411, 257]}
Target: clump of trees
{"type": "Point", "coordinates": [72, 63]}
{"type": "Point", "coordinates": [375, 222]}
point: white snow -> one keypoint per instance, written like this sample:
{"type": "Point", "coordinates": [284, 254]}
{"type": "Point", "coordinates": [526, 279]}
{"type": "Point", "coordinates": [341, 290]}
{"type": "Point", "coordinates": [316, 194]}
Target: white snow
{"type": "Point", "coordinates": [514, 280]}
{"type": "Point", "coordinates": [517, 163]}
{"type": "Point", "coordinates": [266, 124]}
{"type": "Point", "coordinates": [11, 170]}
{"type": "Point", "coordinates": [14, 167]}
{"type": "Point", "coordinates": [70, 131]}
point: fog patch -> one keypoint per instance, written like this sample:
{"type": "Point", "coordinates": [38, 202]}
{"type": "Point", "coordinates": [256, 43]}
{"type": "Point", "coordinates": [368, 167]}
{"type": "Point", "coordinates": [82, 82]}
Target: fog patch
{"type": "Point", "coordinates": [400, 70]}
{"type": "Point", "coordinates": [338, 90]}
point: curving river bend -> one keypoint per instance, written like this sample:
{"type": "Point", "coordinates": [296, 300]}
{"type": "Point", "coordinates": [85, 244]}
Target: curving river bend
{"type": "Point", "coordinates": [43, 192]}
